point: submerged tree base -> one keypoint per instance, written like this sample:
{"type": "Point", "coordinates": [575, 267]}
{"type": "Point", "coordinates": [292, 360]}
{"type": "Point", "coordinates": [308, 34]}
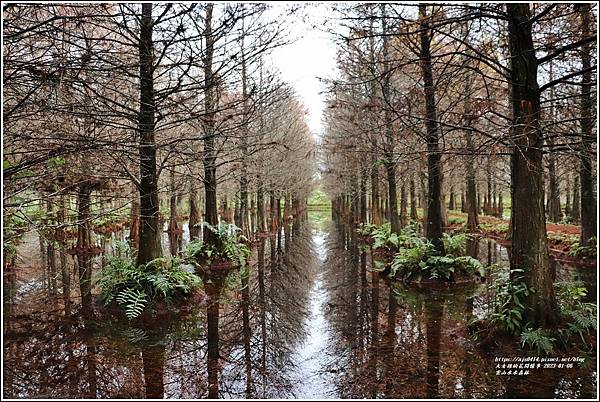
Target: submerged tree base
{"type": "Point", "coordinates": [507, 325]}
{"type": "Point", "coordinates": [407, 257]}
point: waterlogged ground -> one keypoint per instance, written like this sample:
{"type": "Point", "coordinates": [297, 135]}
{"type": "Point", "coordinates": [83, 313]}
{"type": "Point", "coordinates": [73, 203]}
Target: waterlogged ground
{"type": "Point", "coordinates": [322, 324]}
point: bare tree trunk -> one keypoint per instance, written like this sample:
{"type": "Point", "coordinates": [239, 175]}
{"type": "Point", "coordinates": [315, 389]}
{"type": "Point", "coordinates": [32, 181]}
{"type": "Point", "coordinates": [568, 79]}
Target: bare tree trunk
{"type": "Point", "coordinates": [529, 249]}
{"type": "Point", "coordinates": [173, 223]}
{"type": "Point", "coordinates": [479, 209]}
{"type": "Point", "coordinates": [273, 212]}
{"type": "Point", "coordinates": [64, 268]}
{"type": "Point", "coordinates": [252, 213]}
{"type": "Point", "coordinates": [51, 255]}
{"type": "Point", "coordinates": [452, 200]}
{"type": "Point", "coordinates": [434, 228]}
{"type": "Point", "coordinates": [413, 201]}
{"type": "Point", "coordinates": [194, 219]}
{"type": "Point", "coordinates": [278, 211]}
{"type": "Point", "coordinates": [375, 197]}
{"type": "Point", "coordinates": [576, 210]}
{"type": "Point", "coordinates": [134, 221]}
{"type": "Point", "coordinates": [403, 205]}
{"type": "Point", "coordinates": [363, 197]}
{"type": "Point", "coordinates": [210, 155]}
{"type": "Point", "coordinates": [84, 260]}
{"type": "Point", "coordinates": [244, 146]}
{"type": "Point", "coordinates": [488, 203]}
{"type": "Point", "coordinates": [260, 208]}
{"type": "Point", "coordinates": [279, 222]}
{"type": "Point", "coordinates": [173, 226]}
{"type": "Point", "coordinates": [568, 196]}
{"type": "Point", "coordinates": [390, 164]}
{"type": "Point", "coordinates": [393, 197]}
{"type": "Point", "coordinates": [588, 200]}
{"type": "Point", "coordinates": [494, 199]}
{"type": "Point", "coordinates": [554, 210]}
{"type": "Point", "coordinates": [485, 205]}
{"type": "Point", "coordinates": [236, 212]}
{"type": "Point", "coordinates": [423, 192]}
{"type": "Point", "coordinates": [444, 210]}
{"type": "Point", "coordinates": [150, 230]}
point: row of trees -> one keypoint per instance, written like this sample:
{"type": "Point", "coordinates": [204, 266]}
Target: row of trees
{"type": "Point", "coordinates": [470, 97]}
{"type": "Point", "coordinates": [109, 108]}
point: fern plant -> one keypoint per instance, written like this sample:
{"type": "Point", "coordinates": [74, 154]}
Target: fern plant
{"type": "Point", "coordinates": [133, 301]}
{"type": "Point", "coordinates": [538, 340]}
{"type": "Point", "coordinates": [135, 335]}
{"type": "Point", "coordinates": [384, 238]}
{"type": "Point", "coordinates": [365, 229]}
{"type": "Point", "coordinates": [586, 252]}
{"type": "Point", "coordinates": [417, 258]}
{"type": "Point", "coordinates": [569, 293]}
{"type": "Point", "coordinates": [454, 243]}
{"type": "Point", "coordinates": [580, 318]}
{"type": "Point", "coordinates": [230, 245]}
{"type": "Point", "coordinates": [510, 291]}
{"type": "Point", "coordinates": [134, 288]}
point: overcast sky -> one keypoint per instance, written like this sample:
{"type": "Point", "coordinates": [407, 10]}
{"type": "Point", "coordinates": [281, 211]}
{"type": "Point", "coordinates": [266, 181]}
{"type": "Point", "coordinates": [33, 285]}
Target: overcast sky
{"type": "Point", "coordinates": [311, 57]}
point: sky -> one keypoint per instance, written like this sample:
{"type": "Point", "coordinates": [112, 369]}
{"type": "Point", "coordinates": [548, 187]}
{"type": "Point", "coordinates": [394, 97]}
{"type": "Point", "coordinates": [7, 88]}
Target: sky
{"type": "Point", "coordinates": [310, 57]}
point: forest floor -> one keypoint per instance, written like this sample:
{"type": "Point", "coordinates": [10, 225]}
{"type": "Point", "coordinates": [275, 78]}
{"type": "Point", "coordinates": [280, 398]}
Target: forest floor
{"type": "Point", "coordinates": [562, 238]}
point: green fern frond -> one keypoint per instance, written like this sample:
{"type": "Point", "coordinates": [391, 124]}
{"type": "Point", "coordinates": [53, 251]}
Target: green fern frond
{"type": "Point", "coordinates": [133, 301]}
{"type": "Point", "coordinates": [538, 340]}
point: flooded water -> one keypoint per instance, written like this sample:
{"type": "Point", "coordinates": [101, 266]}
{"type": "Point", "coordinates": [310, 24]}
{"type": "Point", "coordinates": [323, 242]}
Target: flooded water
{"type": "Point", "coordinates": [314, 322]}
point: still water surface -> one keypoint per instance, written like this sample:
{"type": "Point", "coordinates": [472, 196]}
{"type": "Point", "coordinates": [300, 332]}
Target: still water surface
{"type": "Point", "coordinates": [322, 324]}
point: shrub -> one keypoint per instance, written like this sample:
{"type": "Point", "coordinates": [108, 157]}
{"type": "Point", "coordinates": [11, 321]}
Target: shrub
{"type": "Point", "coordinates": [136, 287]}
{"type": "Point", "coordinates": [229, 246]}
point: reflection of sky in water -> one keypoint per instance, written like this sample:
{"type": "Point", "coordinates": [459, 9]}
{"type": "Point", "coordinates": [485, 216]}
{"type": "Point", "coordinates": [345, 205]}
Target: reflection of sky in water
{"type": "Point", "coordinates": [312, 382]}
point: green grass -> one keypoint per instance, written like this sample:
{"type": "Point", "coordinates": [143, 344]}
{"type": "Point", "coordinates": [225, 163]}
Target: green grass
{"type": "Point", "coordinates": [318, 198]}
{"type": "Point", "coordinates": [319, 216]}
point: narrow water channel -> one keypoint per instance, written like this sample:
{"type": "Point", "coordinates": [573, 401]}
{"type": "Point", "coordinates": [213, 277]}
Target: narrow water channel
{"type": "Point", "coordinates": [323, 324]}
{"type": "Point", "coordinates": [313, 383]}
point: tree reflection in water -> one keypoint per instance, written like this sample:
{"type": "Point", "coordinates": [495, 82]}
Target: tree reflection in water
{"type": "Point", "coordinates": [253, 335]}
{"type": "Point", "coordinates": [414, 343]}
